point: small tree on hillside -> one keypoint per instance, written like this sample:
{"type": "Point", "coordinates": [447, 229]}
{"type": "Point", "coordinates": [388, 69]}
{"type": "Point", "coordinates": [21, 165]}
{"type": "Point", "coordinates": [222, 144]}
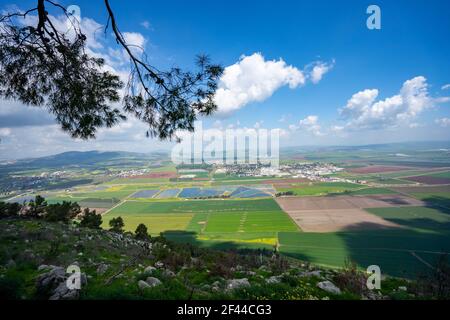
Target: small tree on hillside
{"type": "Point", "coordinates": [64, 212]}
{"type": "Point", "coordinates": [36, 207]}
{"type": "Point", "coordinates": [116, 225]}
{"type": "Point", "coordinates": [9, 209]}
{"type": "Point", "coordinates": [141, 232]}
{"type": "Point", "coordinates": [91, 219]}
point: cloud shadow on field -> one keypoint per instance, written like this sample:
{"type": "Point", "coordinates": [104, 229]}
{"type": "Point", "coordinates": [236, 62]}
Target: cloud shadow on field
{"type": "Point", "coordinates": [405, 252]}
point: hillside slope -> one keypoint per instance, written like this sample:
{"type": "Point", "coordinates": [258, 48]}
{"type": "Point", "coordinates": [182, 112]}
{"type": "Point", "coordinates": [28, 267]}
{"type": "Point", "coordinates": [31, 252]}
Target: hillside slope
{"type": "Point", "coordinates": [34, 255]}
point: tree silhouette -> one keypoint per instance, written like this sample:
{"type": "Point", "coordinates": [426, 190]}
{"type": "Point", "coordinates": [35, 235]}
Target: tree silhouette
{"type": "Point", "coordinates": [141, 232]}
{"type": "Point", "coordinates": [116, 225]}
{"type": "Point", "coordinates": [43, 66]}
{"type": "Point", "coordinates": [91, 219]}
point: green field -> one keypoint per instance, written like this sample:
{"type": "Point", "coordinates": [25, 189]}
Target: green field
{"type": "Point", "coordinates": [440, 175]}
{"type": "Point", "coordinates": [440, 199]}
{"type": "Point", "coordinates": [86, 202]}
{"type": "Point", "coordinates": [318, 189]}
{"type": "Point", "coordinates": [93, 199]}
{"type": "Point", "coordinates": [138, 180]}
{"type": "Point", "coordinates": [105, 194]}
{"type": "Point", "coordinates": [156, 223]}
{"type": "Point", "coordinates": [195, 206]}
{"type": "Point", "coordinates": [393, 252]}
{"type": "Point", "coordinates": [250, 221]}
{"type": "Point", "coordinates": [226, 177]}
{"type": "Point", "coordinates": [391, 178]}
{"type": "Point", "coordinates": [402, 251]}
{"type": "Point", "coordinates": [370, 191]}
{"type": "Point", "coordinates": [420, 219]}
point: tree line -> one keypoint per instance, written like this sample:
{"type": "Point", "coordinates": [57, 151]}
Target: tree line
{"type": "Point", "coordinates": [66, 212]}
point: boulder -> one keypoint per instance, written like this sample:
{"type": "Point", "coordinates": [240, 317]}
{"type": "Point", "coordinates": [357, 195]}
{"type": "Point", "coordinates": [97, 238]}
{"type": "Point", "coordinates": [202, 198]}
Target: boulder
{"type": "Point", "coordinates": [50, 280]}
{"type": "Point", "coordinates": [153, 282]}
{"type": "Point", "coordinates": [264, 268]}
{"type": "Point", "coordinates": [63, 293]}
{"type": "Point", "coordinates": [274, 279]}
{"type": "Point", "coordinates": [315, 273]}
{"type": "Point", "coordinates": [43, 267]}
{"type": "Point", "coordinates": [53, 284]}
{"type": "Point", "coordinates": [149, 270]}
{"type": "Point", "coordinates": [215, 289]}
{"type": "Point", "coordinates": [168, 273]}
{"type": "Point", "coordinates": [102, 268]}
{"type": "Point", "coordinates": [237, 283]}
{"type": "Point", "coordinates": [143, 285]}
{"type": "Point", "coordinates": [329, 287]}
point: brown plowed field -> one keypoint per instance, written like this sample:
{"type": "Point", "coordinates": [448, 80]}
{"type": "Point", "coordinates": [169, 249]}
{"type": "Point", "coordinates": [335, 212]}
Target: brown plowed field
{"type": "Point", "coordinates": [156, 175]}
{"type": "Point", "coordinates": [346, 202]}
{"type": "Point", "coordinates": [285, 181]}
{"type": "Point", "coordinates": [338, 220]}
{"type": "Point", "coordinates": [338, 213]}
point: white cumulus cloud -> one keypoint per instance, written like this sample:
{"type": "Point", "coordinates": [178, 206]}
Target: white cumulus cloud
{"type": "Point", "coordinates": [319, 70]}
{"type": "Point", "coordinates": [364, 112]}
{"type": "Point", "coordinates": [254, 79]}
{"type": "Point", "coordinates": [134, 39]}
{"type": "Point", "coordinates": [310, 124]}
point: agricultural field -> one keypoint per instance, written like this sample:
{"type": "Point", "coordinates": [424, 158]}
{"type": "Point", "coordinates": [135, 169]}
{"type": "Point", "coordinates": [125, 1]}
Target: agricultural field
{"type": "Point", "coordinates": [339, 213]}
{"type": "Point", "coordinates": [430, 180]}
{"type": "Point", "coordinates": [403, 254]}
{"type": "Point", "coordinates": [156, 223]}
{"type": "Point", "coordinates": [369, 191]}
{"type": "Point", "coordinates": [431, 195]}
{"type": "Point", "coordinates": [386, 208]}
{"type": "Point", "coordinates": [195, 206]}
{"type": "Point", "coordinates": [138, 181]}
{"type": "Point", "coordinates": [377, 169]}
{"type": "Point", "coordinates": [144, 194]}
{"type": "Point", "coordinates": [225, 177]}
{"type": "Point", "coordinates": [318, 189]}
{"type": "Point", "coordinates": [445, 174]}
{"type": "Point", "coordinates": [252, 221]}
{"type": "Point", "coordinates": [404, 251]}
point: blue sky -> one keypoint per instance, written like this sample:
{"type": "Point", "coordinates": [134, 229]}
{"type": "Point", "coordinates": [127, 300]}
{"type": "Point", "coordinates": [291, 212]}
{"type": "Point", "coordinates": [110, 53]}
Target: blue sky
{"type": "Point", "coordinates": [406, 62]}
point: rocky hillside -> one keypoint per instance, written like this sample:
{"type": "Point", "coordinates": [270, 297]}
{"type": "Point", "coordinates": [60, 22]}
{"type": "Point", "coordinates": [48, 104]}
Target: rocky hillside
{"type": "Point", "coordinates": [35, 254]}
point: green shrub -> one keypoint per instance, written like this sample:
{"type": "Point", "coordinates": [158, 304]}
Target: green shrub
{"type": "Point", "coordinates": [141, 232]}
{"type": "Point", "coordinates": [63, 212]}
{"type": "Point", "coordinates": [91, 219]}
{"type": "Point", "coordinates": [116, 225]}
{"type": "Point", "coordinates": [9, 209]}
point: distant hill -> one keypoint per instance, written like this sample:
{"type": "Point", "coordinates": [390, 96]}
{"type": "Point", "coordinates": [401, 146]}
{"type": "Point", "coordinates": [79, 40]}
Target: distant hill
{"type": "Point", "coordinates": [81, 159]}
{"type": "Point", "coordinates": [387, 147]}
{"type": "Point", "coordinates": [95, 158]}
